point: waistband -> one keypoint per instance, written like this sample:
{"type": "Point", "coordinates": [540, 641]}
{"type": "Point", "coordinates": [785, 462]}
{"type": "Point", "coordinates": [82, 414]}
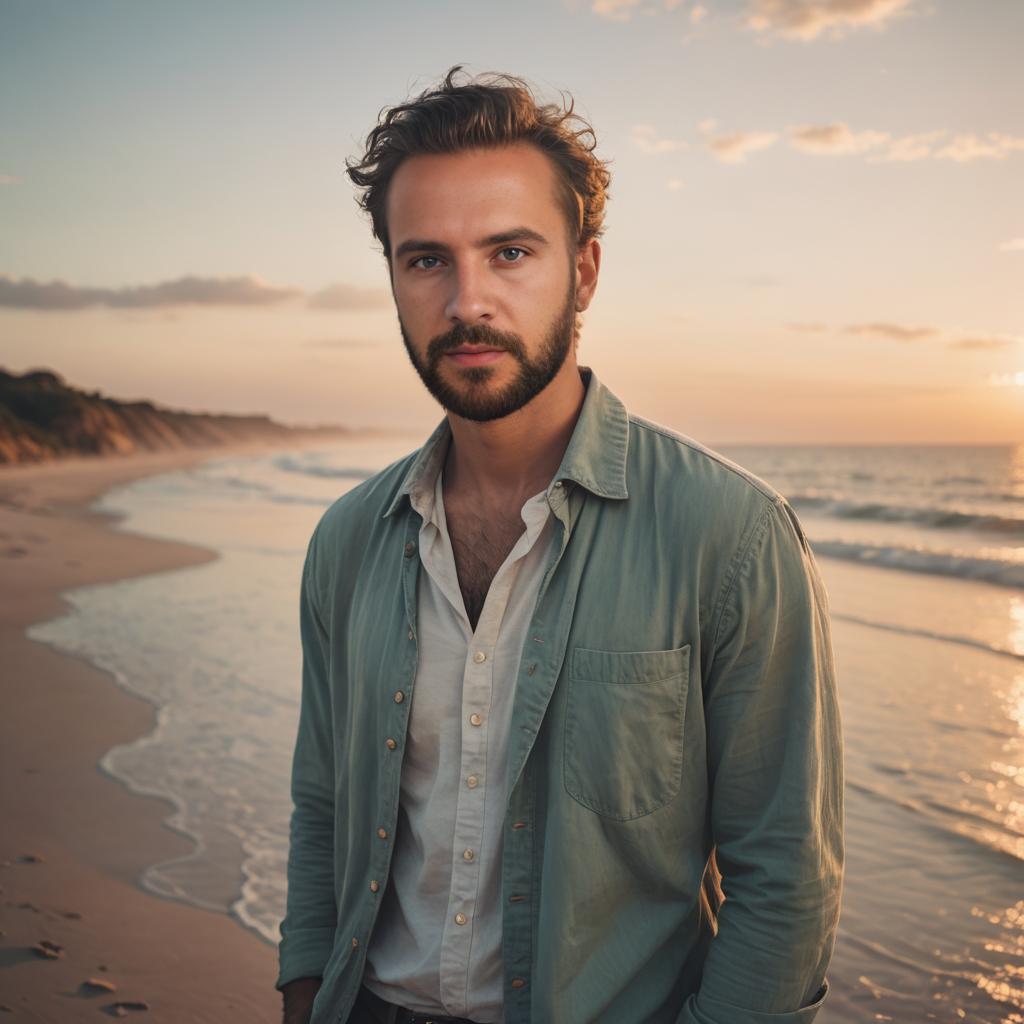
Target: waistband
{"type": "Point", "coordinates": [371, 1009]}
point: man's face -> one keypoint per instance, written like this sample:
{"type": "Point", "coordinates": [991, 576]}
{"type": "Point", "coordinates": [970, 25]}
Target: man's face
{"type": "Point", "coordinates": [484, 277]}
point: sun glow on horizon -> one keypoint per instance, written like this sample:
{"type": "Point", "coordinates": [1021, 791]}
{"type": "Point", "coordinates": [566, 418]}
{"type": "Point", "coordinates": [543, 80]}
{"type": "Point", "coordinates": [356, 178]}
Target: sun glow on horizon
{"type": "Point", "coordinates": [1007, 380]}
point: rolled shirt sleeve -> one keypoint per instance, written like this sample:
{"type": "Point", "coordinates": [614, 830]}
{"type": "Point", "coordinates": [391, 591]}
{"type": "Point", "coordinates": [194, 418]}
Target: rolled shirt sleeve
{"type": "Point", "coordinates": [307, 931]}
{"type": "Point", "coordinates": [776, 784]}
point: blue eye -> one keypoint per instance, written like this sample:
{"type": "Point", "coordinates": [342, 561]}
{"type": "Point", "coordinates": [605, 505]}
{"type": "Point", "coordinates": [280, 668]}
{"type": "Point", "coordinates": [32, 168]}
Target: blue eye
{"type": "Point", "coordinates": [513, 248]}
{"type": "Point", "coordinates": [419, 260]}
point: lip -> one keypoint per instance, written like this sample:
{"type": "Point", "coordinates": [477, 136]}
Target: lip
{"type": "Point", "coordinates": [475, 355]}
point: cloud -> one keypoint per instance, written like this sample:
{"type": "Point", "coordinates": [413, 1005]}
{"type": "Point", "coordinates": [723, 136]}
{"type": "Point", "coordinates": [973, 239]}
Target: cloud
{"type": "Point", "coordinates": [615, 10]}
{"type": "Point", "coordinates": [645, 138]}
{"type": "Point", "coordinates": [967, 148]}
{"type": "Point", "coordinates": [909, 148]}
{"type": "Point", "coordinates": [9, 179]}
{"type": "Point", "coordinates": [834, 139]}
{"type": "Point", "coordinates": [838, 138]}
{"type": "Point", "coordinates": [902, 333]}
{"type": "Point", "coordinates": [247, 290]}
{"type": "Point", "coordinates": [1012, 245]}
{"type": "Point", "coordinates": [983, 343]}
{"type": "Point", "coordinates": [348, 297]}
{"type": "Point", "coordinates": [808, 19]}
{"type": "Point", "coordinates": [791, 19]}
{"type": "Point", "coordinates": [890, 331]}
{"type": "Point", "coordinates": [733, 149]}
{"type": "Point", "coordinates": [28, 293]}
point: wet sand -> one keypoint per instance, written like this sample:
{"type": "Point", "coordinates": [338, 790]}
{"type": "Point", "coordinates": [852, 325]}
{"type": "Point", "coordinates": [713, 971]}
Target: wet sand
{"type": "Point", "coordinates": [74, 842]}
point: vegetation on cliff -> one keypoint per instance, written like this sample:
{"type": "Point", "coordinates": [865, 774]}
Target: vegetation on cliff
{"type": "Point", "coordinates": [42, 417]}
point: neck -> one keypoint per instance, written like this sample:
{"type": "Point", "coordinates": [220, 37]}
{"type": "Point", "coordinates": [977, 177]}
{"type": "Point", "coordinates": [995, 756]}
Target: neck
{"type": "Point", "coordinates": [517, 455]}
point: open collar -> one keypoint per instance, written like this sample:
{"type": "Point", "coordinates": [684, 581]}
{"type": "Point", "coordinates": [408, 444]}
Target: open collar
{"type": "Point", "coordinates": [595, 457]}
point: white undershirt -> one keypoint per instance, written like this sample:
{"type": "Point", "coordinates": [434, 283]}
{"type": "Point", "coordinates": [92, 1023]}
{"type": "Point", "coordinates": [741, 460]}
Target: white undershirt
{"type": "Point", "coordinates": [446, 866]}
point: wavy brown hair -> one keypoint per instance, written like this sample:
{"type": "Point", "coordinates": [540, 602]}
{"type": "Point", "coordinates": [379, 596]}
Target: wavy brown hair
{"type": "Point", "coordinates": [485, 112]}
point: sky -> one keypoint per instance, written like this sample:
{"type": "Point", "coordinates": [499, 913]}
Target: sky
{"type": "Point", "coordinates": [815, 232]}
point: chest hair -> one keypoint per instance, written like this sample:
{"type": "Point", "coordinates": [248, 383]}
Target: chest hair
{"type": "Point", "coordinates": [481, 541]}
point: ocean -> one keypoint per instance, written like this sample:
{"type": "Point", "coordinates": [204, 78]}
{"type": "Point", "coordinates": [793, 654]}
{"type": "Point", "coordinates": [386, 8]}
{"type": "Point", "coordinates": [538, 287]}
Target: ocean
{"type": "Point", "coordinates": [922, 552]}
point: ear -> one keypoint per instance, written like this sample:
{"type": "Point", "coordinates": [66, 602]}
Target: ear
{"type": "Point", "coordinates": [588, 265]}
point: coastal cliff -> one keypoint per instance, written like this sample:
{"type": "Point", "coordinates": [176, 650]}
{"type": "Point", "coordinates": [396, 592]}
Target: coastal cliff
{"type": "Point", "coordinates": [42, 418]}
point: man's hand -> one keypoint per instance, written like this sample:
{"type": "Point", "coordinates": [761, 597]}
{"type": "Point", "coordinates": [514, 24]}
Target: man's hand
{"type": "Point", "coordinates": [298, 999]}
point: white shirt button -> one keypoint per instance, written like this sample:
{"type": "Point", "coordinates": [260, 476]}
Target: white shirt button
{"type": "Point", "coordinates": [479, 657]}
{"type": "Point", "coordinates": [475, 719]}
{"type": "Point", "coordinates": [472, 782]}
{"type": "Point", "coordinates": [468, 854]}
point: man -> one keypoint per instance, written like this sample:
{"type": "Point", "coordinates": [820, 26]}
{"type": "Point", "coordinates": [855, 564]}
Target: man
{"type": "Point", "coordinates": [560, 662]}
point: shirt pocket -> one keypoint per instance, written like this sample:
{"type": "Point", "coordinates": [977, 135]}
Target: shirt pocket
{"type": "Point", "coordinates": [624, 729]}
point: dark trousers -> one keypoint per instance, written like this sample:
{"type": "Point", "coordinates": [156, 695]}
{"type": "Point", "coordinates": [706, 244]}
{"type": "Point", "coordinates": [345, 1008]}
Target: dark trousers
{"type": "Point", "coordinates": [371, 1009]}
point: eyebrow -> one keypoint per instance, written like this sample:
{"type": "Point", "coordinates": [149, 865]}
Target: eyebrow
{"type": "Point", "coordinates": [520, 234]}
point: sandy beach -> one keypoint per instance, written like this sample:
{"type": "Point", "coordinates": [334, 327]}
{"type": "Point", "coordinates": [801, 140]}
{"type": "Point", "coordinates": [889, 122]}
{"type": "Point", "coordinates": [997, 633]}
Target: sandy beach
{"type": "Point", "coordinates": [74, 842]}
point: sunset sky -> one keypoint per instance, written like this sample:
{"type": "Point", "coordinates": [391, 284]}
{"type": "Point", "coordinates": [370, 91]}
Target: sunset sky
{"type": "Point", "coordinates": [815, 234]}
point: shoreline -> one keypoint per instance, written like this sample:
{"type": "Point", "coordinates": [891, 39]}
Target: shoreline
{"type": "Point", "coordinates": [76, 840]}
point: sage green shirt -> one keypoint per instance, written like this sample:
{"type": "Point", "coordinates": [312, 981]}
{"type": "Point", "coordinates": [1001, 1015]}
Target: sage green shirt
{"type": "Point", "coordinates": [676, 692]}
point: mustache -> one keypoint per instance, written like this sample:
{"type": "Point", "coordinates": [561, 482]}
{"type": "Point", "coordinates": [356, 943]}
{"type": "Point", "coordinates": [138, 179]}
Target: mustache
{"type": "Point", "coordinates": [474, 334]}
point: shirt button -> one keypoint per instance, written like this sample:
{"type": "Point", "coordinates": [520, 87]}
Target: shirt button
{"type": "Point", "coordinates": [475, 719]}
{"type": "Point", "coordinates": [355, 942]}
{"type": "Point", "coordinates": [383, 833]}
{"type": "Point", "coordinates": [460, 918]}
{"type": "Point", "coordinates": [410, 549]}
{"type": "Point", "coordinates": [468, 854]}
{"type": "Point", "coordinates": [558, 484]}
{"type": "Point", "coordinates": [531, 670]}
{"type": "Point", "coordinates": [518, 982]}
{"type": "Point", "coordinates": [390, 743]}
{"type": "Point", "coordinates": [479, 657]}
{"type": "Point", "coordinates": [472, 782]}
{"type": "Point", "coordinates": [399, 696]}
{"type": "Point", "coordinates": [374, 885]}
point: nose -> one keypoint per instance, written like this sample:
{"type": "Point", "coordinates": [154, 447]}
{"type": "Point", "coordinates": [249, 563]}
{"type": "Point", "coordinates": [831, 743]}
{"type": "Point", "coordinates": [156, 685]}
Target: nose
{"type": "Point", "coordinates": [468, 301]}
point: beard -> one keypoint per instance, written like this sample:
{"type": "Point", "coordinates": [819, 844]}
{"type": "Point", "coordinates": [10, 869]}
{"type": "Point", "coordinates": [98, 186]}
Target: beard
{"type": "Point", "coordinates": [470, 397]}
